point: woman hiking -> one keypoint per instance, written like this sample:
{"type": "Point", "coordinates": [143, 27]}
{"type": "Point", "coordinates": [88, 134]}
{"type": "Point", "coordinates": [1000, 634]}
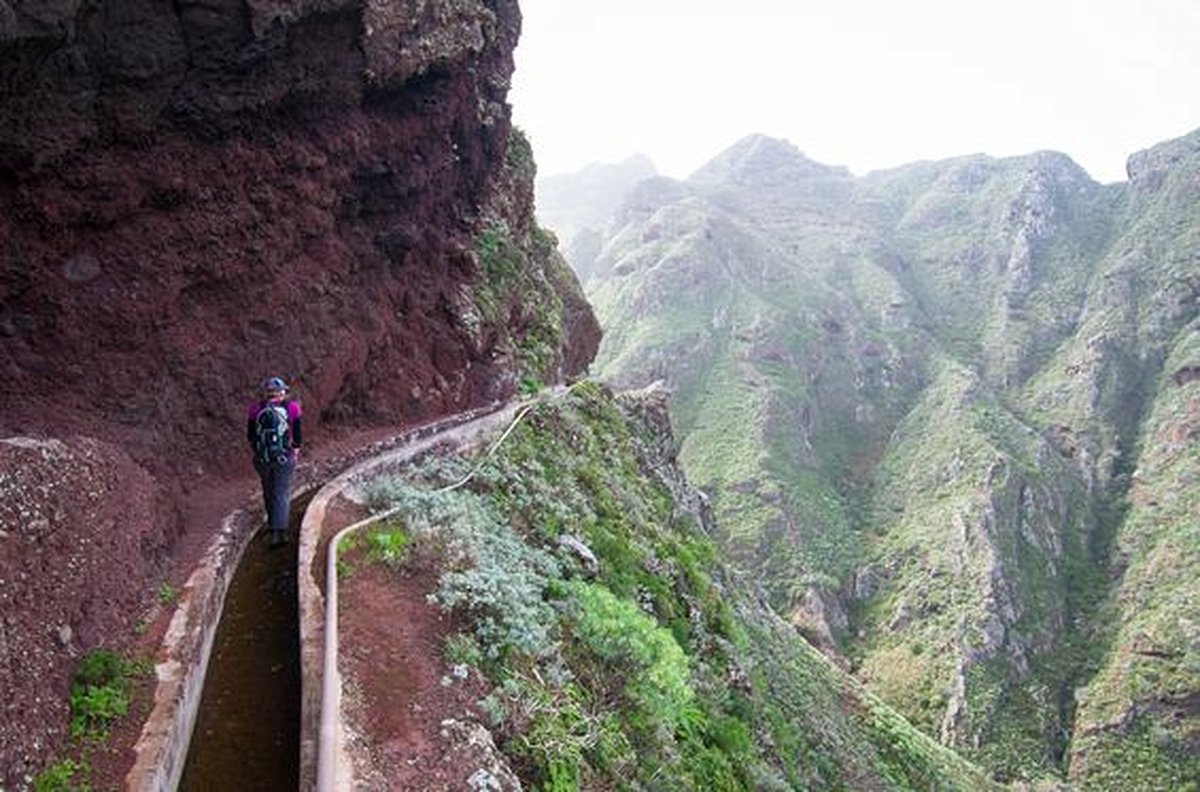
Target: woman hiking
{"type": "Point", "coordinates": [273, 429]}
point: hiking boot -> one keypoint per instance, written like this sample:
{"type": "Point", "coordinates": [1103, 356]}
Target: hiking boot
{"type": "Point", "coordinates": [278, 538]}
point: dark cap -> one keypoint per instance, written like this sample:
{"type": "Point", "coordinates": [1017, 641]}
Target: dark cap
{"type": "Point", "coordinates": [272, 384]}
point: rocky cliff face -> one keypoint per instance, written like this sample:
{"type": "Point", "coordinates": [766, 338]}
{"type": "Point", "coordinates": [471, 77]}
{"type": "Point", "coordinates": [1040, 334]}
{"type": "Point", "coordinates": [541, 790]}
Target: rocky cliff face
{"type": "Point", "coordinates": [1131, 399]}
{"type": "Point", "coordinates": [196, 195]}
{"type": "Point", "coordinates": [917, 399]}
{"type": "Point", "coordinates": [246, 188]}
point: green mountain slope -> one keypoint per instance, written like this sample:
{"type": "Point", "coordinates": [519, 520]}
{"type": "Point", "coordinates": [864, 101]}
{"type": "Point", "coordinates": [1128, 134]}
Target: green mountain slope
{"type": "Point", "coordinates": [969, 584]}
{"type": "Point", "coordinates": [1130, 400]}
{"type": "Point", "coordinates": [1139, 717]}
{"type": "Point", "coordinates": [620, 653]}
{"type": "Point", "coordinates": [916, 399]}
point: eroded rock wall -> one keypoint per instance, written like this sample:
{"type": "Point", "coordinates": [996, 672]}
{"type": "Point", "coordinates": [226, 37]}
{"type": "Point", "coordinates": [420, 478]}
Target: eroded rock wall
{"type": "Point", "coordinates": [199, 194]}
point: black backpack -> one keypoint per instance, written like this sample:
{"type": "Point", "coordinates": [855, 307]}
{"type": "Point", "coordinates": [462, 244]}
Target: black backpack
{"type": "Point", "coordinates": [271, 434]}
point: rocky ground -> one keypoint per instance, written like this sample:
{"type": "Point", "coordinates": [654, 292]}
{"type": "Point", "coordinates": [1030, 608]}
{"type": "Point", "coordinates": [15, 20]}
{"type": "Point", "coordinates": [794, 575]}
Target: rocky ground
{"type": "Point", "coordinates": [83, 548]}
{"type": "Point", "coordinates": [418, 710]}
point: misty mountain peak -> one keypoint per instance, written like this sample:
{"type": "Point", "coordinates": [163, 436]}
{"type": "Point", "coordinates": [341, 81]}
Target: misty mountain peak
{"type": "Point", "coordinates": [571, 203]}
{"type": "Point", "coordinates": [759, 160]}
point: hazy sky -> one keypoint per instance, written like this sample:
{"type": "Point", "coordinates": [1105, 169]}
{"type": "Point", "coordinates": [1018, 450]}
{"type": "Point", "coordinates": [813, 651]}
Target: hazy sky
{"type": "Point", "coordinates": [862, 83]}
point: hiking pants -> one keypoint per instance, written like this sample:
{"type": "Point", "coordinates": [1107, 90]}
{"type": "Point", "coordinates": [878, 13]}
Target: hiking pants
{"type": "Point", "coordinates": [277, 492]}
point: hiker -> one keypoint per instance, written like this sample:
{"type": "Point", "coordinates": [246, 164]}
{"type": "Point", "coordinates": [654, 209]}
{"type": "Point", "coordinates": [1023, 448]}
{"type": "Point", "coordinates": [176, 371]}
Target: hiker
{"type": "Point", "coordinates": [273, 429]}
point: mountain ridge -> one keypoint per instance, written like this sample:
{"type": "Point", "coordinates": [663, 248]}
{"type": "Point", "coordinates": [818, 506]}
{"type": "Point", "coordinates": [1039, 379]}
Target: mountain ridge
{"type": "Point", "coordinates": [804, 324]}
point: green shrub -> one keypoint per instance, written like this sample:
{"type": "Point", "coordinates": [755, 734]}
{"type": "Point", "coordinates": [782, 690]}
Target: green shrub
{"type": "Point", "coordinates": [519, 156]}
{"type": "Point", "coordinates": [496, 250]}
{"type": "Point", "coordinates": [61, 776]}
{"type": "Point", "coordinates": [166, 593]}
{"type": "Point", "coordinates": [462, 648]}
{"type": "Point", "coordinates": [645, 655]}
{"type": "Point", "coordinates": [387, 544]}
{"type": "Point", "coordinates": [490, 573]}
{"type": "Point", "coordinates": [559, 728]}
{"type": "Point", "coordinates": [99, 694]}
{"type": "Point", "coordinates": [529, 385]}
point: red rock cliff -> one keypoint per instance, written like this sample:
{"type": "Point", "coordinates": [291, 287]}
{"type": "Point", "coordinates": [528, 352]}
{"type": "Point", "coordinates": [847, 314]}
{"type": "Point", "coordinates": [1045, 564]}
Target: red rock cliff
{"type": "Point", "coordinates": [197, 194]}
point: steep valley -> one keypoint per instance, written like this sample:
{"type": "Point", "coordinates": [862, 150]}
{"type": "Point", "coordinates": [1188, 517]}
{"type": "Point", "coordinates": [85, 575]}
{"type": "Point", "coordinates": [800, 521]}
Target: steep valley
{"type": "Point", "coordinates": [930, 406]}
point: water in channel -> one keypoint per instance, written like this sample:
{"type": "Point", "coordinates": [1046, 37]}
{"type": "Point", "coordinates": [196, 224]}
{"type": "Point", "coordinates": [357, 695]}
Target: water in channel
{"type": "Point", "coordinates": [247, 733]}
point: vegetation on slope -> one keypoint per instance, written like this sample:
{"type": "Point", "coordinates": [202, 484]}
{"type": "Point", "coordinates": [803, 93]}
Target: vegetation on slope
{"type": "Point", "coordinates": [621, 653]}
{"type": "Point", "coordinates": [1115, 403]}
{"type": "Point", "coordinates": [100, 696]}
{"type": "Point", "coordinates": [757, 330]}
{"type": "Point", "coordinates": [524, 289]}
{"type": "Point", "coordinates": [998, 252]}
{"type": "Point", "coordinates": [917, 400]}
{"type": "Point", "coordinates": [969, 590]}
{"type": "Point", "coordinates": [1139, 725]}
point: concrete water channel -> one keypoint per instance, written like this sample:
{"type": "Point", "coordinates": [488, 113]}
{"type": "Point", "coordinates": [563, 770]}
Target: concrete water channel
{"type": "Point", "coordinates": [247, 731]}
{"type": "Point", "coordinates": [242, 672]}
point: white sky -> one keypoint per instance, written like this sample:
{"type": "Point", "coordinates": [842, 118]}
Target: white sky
{"type": "Point", "coordinates": [862, 83]}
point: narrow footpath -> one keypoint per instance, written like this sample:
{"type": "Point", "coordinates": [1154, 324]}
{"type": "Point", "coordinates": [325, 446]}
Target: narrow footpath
{"type": "Point", "coordinates": [250, 717]}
